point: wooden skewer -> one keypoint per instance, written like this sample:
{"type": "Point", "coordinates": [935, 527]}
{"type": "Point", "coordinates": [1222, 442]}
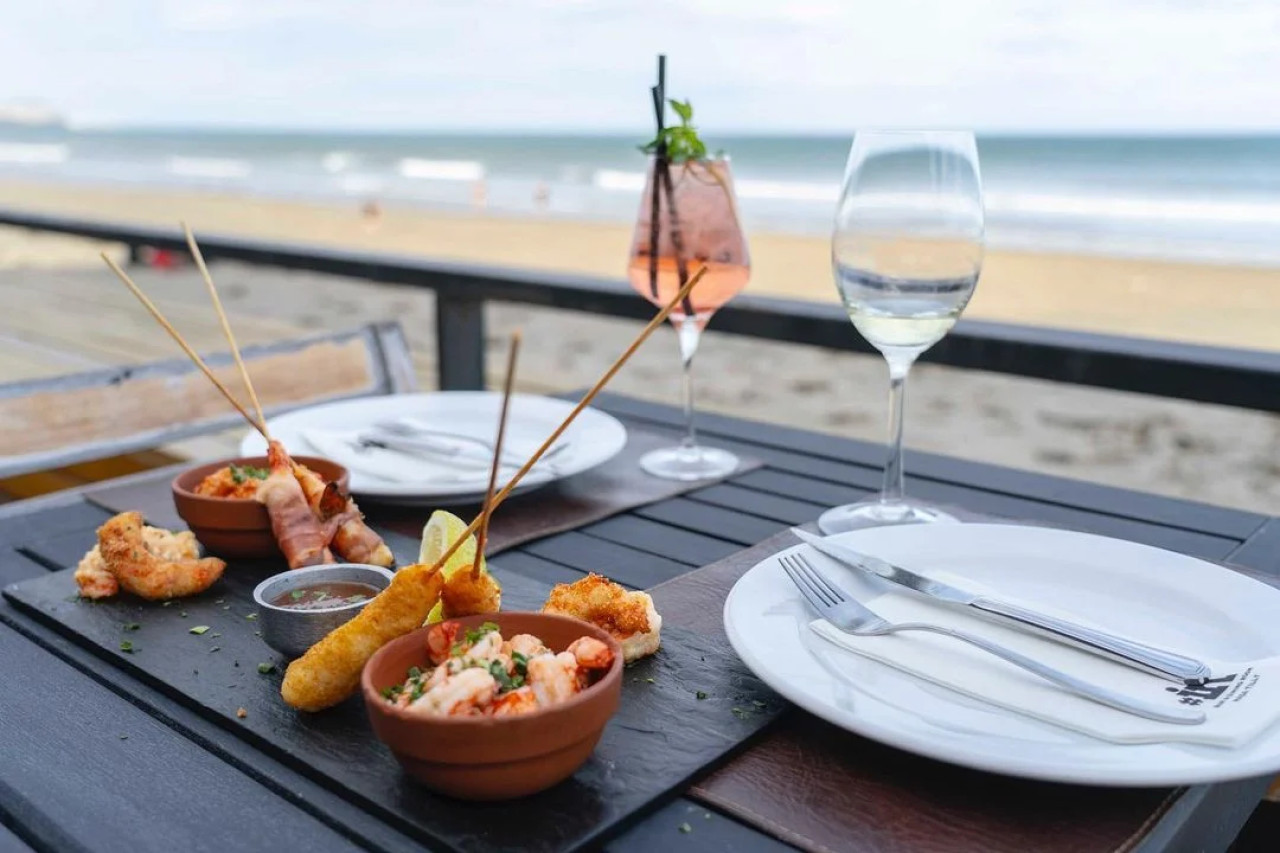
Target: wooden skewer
{"type": "Point", "coordinates": [487, 510]}
{"type": "Point", "coordinates": [226, 328]}
{"type": "Point", "coordinates": [173, 333]}
{"type": "Point", "coordinates": [648, 330]}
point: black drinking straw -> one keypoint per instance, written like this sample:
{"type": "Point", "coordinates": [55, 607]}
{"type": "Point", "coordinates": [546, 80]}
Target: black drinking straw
{"type": "Point", "coordinates": [659, 157]}
{"type": "Point", "coordinates": [662, 182]}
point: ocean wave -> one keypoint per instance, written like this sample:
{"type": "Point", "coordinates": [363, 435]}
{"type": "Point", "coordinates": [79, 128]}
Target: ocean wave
{"type": "Point", "coordinates": [788, 190]}
{"type": "Point", "coordinates": [32, 153]}
{"type": "Point", "coordinates": [1133, 208]}
{"type": "Point", "coordinates": [441, 170]}
{"type": "Point", "coordinates": [613, 179]}
{"type": "Point", "coordinates": [209, 167]}
{"type": "Point", "coordinates": [337, 161]}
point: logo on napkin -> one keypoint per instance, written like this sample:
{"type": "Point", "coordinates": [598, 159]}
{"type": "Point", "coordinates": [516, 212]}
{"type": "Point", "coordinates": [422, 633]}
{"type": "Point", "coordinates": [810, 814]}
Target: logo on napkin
{"type": "Point", "coordinates": [1219, 691]}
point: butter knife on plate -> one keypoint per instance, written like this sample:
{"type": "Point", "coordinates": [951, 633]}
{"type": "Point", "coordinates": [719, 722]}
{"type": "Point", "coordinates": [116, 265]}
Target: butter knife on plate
{"type": "Point", "coordinates": [1169, 665]}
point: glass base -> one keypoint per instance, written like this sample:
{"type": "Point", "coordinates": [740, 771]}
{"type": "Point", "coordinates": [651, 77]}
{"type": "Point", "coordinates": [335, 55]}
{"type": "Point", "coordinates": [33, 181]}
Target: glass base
{"type": "Point", "coordinates": [878, 513]}
{"type": "Point", "coordinates": [689, 463]}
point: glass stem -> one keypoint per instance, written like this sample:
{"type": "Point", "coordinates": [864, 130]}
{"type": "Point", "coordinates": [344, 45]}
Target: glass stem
{"type": "Point", "coordinates": [688, 333]}
{"type": "Point", "coordinates": [894, 479]}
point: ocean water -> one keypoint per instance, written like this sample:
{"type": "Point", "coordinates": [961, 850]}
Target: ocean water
{"type": "Point", "coordinates": [1203, 198]}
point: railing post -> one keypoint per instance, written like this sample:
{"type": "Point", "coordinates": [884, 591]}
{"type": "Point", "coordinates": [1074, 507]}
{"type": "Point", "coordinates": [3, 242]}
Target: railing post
{"type": "Point", "coordinates": [135, 254]}
{"type": "Point", "coordinates": [459, 342]}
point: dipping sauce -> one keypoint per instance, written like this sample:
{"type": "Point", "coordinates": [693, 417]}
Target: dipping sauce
{"type": "Point", "coordinates": [324, 596]}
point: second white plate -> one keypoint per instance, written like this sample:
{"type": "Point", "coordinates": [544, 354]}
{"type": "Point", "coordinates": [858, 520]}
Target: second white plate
{"type": "Point", "coordinates": [1157, 596]}
{"type": "Point", "coordinates": [592, 439]}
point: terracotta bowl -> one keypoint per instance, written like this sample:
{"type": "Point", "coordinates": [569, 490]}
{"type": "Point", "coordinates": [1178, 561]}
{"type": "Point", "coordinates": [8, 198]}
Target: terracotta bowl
{"type": "Point", "coordinates": [238, 528]}
{"type": "Point", "coordinates": [492, 758]}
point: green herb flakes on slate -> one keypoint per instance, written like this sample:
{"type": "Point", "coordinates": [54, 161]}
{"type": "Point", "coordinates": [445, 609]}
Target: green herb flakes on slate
{"type": "Point", "coordinates": [266, 668]}
{"type": "Point", "coordinates": [199, 629]}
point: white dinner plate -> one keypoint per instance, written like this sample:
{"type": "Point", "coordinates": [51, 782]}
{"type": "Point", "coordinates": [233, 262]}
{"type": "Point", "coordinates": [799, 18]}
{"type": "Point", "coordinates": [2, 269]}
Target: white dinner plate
{"type": "Point", "coordinates": [593, 438]}
{"type": "Point", "coordinates": [1147, 593]}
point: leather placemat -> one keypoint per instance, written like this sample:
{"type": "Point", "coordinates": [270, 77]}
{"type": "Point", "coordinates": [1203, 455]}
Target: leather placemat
{"type": "Point", "coordinates": [614, 487]}
{"type": "Point", "coordinates": [822, 788]}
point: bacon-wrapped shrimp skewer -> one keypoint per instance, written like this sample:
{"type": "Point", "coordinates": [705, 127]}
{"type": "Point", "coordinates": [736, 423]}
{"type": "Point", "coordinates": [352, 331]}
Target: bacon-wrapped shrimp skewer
{"type": "Point", "coordinates": [353, 541]}
{"type": "Point", "coordinates": [302, 538]}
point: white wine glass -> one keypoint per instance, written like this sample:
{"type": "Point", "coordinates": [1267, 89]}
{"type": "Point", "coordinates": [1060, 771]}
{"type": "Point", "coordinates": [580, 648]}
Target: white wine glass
{"type": "Point", "coordinates": [906, 251]}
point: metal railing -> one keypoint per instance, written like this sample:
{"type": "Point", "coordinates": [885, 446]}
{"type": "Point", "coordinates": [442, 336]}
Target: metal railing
{"type": "Point", "coordinates": [1233, 377]}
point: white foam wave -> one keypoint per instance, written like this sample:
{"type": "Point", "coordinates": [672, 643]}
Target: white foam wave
{"type": "Point", "coordinates": [1134, 209]}
{"type": "Point", "coordinates": [31, 153]}
{"type": "Point", "coordinates": [441, 170]}
{"type": "Point", "coordinates": [337, 161]}
{"type": "Point", "coordinates": [613, 179]}
{"type": "Point", "coordinates": [209, 167]}
{"type": "Point", "coordinates": [787, 190]}
{"type": "Point", "coordinates": [360, 183]}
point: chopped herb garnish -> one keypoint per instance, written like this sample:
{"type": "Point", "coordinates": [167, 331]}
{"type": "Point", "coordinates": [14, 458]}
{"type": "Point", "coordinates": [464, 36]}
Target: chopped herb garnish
{"type": "Point", "coordinates": [266, 668]}
{"type": "Point", "coordinates": [505, 682]}
{"type": "Point", "coordinates": [473, 635]}
{"type": "Point", "coordinates": [166, 603]}
{"type": "Point", "coordinates": [414, 672]}
{"type": "Point", "coordinates": [741, 713]}
{"type": "Point", "coordinates": [226, 607]}
{"type": "Point", "coordinates": [241, 473]}
{"type": "Point", "coordinates": [701, 694]}
{"type": "Point", "coordinates": [685, 828]}
{"type": "Point", "coordinates": [183, 614]}
{"type": "Point", "coordinates": [124, 737]}
{"type": "Point", "coordinates": [126, 646]}
{"type": "Point", "coordinates": [215, 649]}
{"type": "Point", "coordinates": [521, 663]}
{"type": "Point", "coordinates": [706, 815]}
{"type": "Point", "coordinates": [758, 703]}
{"type": "Point", "coordinates": [131, 626]}
{"type": "Point", "coordinates": [297, 593]}
{"type": "Point", "coordinates": [321, 595]}
{"type": "Point", "coordinates": [416, 693]}
{"type": "Point", "coordinates": [251, 616]}
{"type": "Point", "coordinates": [199, 629]}
{"type": "Point", "coordinates": [220, 600]}
{"type": "Point", "coordinates": [648, 681]}
{"type": "Point", "coordinates": [392, 693]}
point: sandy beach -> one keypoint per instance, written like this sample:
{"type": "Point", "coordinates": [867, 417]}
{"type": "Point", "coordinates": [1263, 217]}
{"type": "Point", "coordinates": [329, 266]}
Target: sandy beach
{"type": "Point", "coordinates": [1201, 303]}
{"type": "Point", "coordinates": [61, 313]}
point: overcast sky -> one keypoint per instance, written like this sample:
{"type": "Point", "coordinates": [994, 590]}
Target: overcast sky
{"type": "Point", "coordinates": [816, 65]}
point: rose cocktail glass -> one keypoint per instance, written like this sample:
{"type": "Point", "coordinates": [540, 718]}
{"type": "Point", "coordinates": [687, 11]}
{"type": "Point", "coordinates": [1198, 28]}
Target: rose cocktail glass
{"type": "Point", "coordinates": [687, 220]}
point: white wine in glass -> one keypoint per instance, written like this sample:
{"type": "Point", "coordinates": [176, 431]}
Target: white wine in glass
{"type": "Point", "coordinates": [906, 251]}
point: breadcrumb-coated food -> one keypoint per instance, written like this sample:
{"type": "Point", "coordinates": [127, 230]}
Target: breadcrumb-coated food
{"type": "Point", "coordinates": [330, 670]}
{"type": "Point", "coordinates": [629, 616]}
{"type": "Point", "coordinates": [94, 578]}
{"type": "Point", "coordinates": [154, 563]}
{"type": "Point", "coordinates": [468, 595]}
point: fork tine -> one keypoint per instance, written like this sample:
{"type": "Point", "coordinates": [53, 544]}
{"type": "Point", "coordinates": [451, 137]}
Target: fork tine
{"type": "Point", "coordinates": [820, 580]}
{"type": "Point", "coordinates": [799, 576]}
{"type": "Point", "coordinates": [805, 592]}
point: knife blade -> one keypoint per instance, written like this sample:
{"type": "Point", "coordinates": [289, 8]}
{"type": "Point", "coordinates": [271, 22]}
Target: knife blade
{"type": "Point", "coordinates": [1169, 665]}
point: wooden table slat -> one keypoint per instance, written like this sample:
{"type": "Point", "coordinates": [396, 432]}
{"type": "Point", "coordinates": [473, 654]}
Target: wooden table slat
{"type": "Point", "coordinates": [737, 527]}
{"type": "Point", "coordinates": [652, 537]}
{"type": "Point", "coordinates": [589, 554]}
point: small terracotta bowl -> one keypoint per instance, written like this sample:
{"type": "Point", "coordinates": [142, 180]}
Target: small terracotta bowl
{"type": "Point", "coordinates": [238, 528]}
{"type": "Point", "coordinates": [492, 758]}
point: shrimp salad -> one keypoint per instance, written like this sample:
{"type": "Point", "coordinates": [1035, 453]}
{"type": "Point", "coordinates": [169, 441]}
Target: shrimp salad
{"type": "Point", "coordinates": [476, 672]}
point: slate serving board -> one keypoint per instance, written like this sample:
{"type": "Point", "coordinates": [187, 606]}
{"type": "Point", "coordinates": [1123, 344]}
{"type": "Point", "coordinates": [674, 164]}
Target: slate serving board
{"type": "Point", "coordinates": [662, 736]}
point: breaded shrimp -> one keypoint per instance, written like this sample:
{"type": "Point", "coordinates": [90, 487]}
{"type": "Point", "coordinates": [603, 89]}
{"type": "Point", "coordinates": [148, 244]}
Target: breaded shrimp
{"type": "Point", "coordinates": [94, 578]}
{"type": "Point", "coordinates": [330, 670]}
{"type": "Point", "coordinates": [157, 566]}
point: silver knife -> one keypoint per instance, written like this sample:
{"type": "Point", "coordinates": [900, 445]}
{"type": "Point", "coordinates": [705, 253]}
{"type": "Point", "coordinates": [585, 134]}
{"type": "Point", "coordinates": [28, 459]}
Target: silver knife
{"type": "Point", "coordinates": [1166, 664]}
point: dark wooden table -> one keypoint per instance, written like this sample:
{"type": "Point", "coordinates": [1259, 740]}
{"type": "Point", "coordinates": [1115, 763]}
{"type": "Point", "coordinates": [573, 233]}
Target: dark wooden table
{"type": "Point", "coordinates": [94, 759]}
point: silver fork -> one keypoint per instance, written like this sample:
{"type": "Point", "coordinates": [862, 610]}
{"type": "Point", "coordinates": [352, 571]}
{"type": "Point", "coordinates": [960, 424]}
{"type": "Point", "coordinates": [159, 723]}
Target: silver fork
{"type": "Point", "coordinates": [406, 430]}
{"type": "Point", "coordinates": [853, 617]}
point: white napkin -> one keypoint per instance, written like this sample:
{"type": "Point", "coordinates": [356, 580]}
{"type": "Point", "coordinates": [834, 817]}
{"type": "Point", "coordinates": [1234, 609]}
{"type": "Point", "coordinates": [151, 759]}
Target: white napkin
{"type": "Point", "coordinates": [1238, 706]}
{"type": "Point", "coordinates": [392, 465]}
